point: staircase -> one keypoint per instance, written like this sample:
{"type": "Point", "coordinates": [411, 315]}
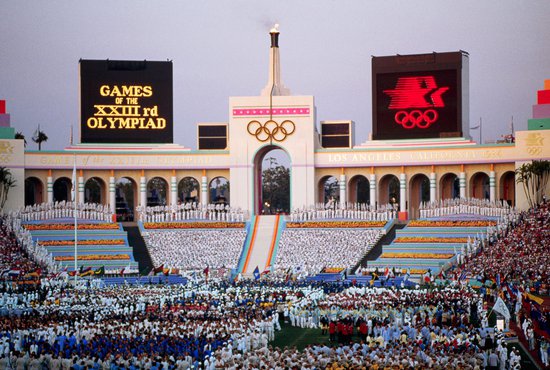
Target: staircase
{"type": "Point", "coordinates": [141, 254]}
{"type": "Point", "coordinates": [262, 244]}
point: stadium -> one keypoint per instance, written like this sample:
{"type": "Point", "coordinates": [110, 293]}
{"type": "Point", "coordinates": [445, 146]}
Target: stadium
{"type": "Point", "coordinates": [280, 242]}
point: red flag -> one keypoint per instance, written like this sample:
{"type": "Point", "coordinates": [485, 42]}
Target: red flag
{"type": "Point", "coordinates": [156, 270]}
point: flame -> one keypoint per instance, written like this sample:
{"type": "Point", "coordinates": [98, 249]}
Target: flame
{"type": "Point", "coordinates": [275, 28]}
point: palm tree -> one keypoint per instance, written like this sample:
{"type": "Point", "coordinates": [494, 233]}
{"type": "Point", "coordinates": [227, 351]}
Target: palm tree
{"type": "Point", "coordinates": [39, 137]}
{"type": "Point", "coordinates": [20, 136]}
{"type": "Point", "coordinates": [534, 177]}
{"type": "Point", "coordinates": [6, 183]}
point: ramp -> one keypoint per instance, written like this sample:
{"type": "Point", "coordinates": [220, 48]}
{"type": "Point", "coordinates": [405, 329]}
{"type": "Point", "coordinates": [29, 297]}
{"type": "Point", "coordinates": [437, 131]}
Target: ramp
{"type": "Point", "coordinates": [262, 244]}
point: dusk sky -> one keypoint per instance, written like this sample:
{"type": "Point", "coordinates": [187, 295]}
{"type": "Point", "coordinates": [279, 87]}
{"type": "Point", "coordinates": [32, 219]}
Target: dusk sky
{"type": "Point", "coordinates": [220, 49]}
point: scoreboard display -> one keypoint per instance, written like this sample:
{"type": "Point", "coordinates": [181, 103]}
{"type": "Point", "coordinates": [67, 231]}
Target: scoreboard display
{"type": "Point", "coordinates": [420, 96]}
{"type": "Point", "coordinates": [126, 101]}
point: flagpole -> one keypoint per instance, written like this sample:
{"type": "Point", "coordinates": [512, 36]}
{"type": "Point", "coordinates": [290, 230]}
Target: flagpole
{"type": "Point", "coordinates": [75, 221]}
{"type": "Point", "coordinates": [74, 214]}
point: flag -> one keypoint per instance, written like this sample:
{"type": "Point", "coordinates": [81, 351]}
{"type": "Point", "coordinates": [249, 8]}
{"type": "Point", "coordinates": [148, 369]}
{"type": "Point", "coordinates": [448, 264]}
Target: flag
{"type": "Point", "coordinates": [156, 270]}
{"type": "Point", "coordinates": [88, 272]}
{"type": "Point", "coordinates": [122, 271]}
{"type": "Point", "coordinates": [206, 271]}
{"type": "Point", "coordinates": [100, 271]}
{"type": "Point", "coordinates": [501, 308]}
{"type": "Point", "coordinates": [73, 190]}
{"type": "Point", "coordinates": [73, 273]}
{"type": "Point", "coordinates": [498, 280]}
{"type": "Point", "coordinates": [36, 133]}
{"type": "Point", "coordinates": [387, 272]}
{"type": "Point", "coordinates": [166, 271]}
{"type": "Point", "coordinates": [407, 275]}
{"type": "Point", "coordinates": [267, 270]}
{"type": "Point", "coordinates": [14, 272]}
{"type": "Point", "coordinates": [256, 273]}
{"type": "Point", "coordinates": [35, 273]}
{"type": "Point", "coordinates": [175, 271]}
{"type": "Point", "coordinates": [374, 275]}
{"type": "Point", "coordinates": [463, 275]}
{"type": "Point", "coordinates": [84, 270]}
{"type": "Point", "coordinates": [534, 298]}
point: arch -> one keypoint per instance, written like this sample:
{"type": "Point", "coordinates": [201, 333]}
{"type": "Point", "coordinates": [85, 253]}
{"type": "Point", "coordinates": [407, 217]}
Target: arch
{"type": "Point", "coordinates": [157, 190]}
{"type": "Point", "coordinates": [218, 190]}
{"type": "Point", "coordinates": [329, 190]}
{"type": "Point", "coordinates": [449, 186]}
{"type": "Point", "coordinates": [479, 185]}
{"type": "Point", "coordinates": [125, 196]}
{"type": "Point", "coordinates": [419, 191]}
{"type": "Point", "coordinates": [34, 191]}
{"type": "Point", "coordinates": [62, 189]}
{"type": "Point", "coordinates": [389, 190]}
{"type": "Point", "coordinates": [271, 180]}
{"type": "Point", "coordinates": [94, 191]}
{"type": "Point", "coordinates": [507, 186]}
{"type": "Point", "coordinates": [189, 190]}
{"type": "Point", "coordinates": [359, 189]}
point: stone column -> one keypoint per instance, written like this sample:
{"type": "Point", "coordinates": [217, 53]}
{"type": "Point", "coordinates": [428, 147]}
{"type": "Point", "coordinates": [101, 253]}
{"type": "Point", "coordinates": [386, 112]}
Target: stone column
{"type": "Point", "coordinates": [204, 190]}
{"type": "Point", "coordinates": [80, 189]}
{"type": "Point", "coordinates": [372, 186]}
{"type": "Point", "coordinates": [342, 186]}
{"type": "Point", "coordinates": [492, 186]}
{"type": "Point", "coordinates": [143, 191]}
{"type": "Point", "coordinates": [112, 195]}
{"type": "Point", "coordinates": [173, 191]}
{"type": "Point", "coordinates": [433, 187]}
{"type": "Point", "coordinates": [403, 196]}
{"type": "Point", "coordinates": [49, 187]}
{"type": "Point", "coordinates": [462, 184]}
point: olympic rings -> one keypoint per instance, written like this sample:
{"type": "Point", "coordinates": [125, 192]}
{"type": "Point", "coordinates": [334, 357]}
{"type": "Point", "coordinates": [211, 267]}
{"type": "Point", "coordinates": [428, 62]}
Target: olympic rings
{"type": "Point", "coordinates": [416, 118]}
{"type": "Point", "coordinates": [271, 130]}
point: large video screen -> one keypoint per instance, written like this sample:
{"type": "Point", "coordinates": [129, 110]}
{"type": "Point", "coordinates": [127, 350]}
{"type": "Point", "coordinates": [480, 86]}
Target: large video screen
{"type": "Point", "coordinates": [418, 97]}
{"type": "Point", "coordinates": [126, 102]}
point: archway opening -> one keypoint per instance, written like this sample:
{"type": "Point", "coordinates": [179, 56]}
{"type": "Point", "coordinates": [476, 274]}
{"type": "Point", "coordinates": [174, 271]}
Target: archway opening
{"type": "Point", "coordinates": [419, 191]}
{"type": "Point", "coordinates": [359, 190]}
{"type": "Point", "coordinates": [450, 186]}
{"type": "Point", "coordinates": [157, 188]}
{"type": "Point", "coordinates": [62, 189]}
{"type": "Point", "coordinates": [33, 191]}
{"type": "Point", "coordinates": [329, 191]}
{"type": "Point", "coordinates": [272, 181]}
{"type": "Point", "coordinates": [188, 190]}
{"type": "Point", "coordinates": [219, 190]}
{"type": "Point", "coordinates": [508, 188]}
{"type": "Point", "coordinates": [94, 191]}
{"type": "Point", "coordinates": [389, 191]}
{"type": "Point", "coordinates": [479, 186]}
{"type": "Point", "coordinates": [125, 195]}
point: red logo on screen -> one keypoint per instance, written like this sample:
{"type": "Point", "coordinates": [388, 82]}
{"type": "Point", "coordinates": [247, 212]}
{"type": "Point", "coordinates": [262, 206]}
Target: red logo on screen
{"type": "Point", "coordinates": [416, 92]}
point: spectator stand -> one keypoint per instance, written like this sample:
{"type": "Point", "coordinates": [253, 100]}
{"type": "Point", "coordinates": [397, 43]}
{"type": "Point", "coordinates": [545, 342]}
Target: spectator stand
{"type": "Point", "coordinates": [191, 246]}
{"type": "Point", "coordinates": [307, 248]}
{"type": "Point", "coordinates": [99, 244]}
{"type": "Point", "coordinates": [432, 245]}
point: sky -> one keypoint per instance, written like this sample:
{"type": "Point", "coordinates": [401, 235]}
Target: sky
{"type": "Point", "coordinates": [220, 49]}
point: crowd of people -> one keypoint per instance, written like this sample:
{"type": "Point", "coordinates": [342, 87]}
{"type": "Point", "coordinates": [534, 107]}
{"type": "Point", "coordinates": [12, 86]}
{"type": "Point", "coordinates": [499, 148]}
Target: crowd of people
{"type": "Point", "coordinates": [518, 253]}
{"type": "Point", "coordinates": [21, 259]}
{"type": "Point", "coordinates": [347, 210]}
{"type": "Point", "coordinates": [191, 211]}
{"type": "Point", "coordinates": [219, 324]}
{"type": "Point", "coordinates": [465, 206]}
{"type": "Point", "coordinates": [64, 209]}
{"type": "Point", "coordinates": [195, 249]}
{"type": "Point", "coordinates": [313, 249]}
